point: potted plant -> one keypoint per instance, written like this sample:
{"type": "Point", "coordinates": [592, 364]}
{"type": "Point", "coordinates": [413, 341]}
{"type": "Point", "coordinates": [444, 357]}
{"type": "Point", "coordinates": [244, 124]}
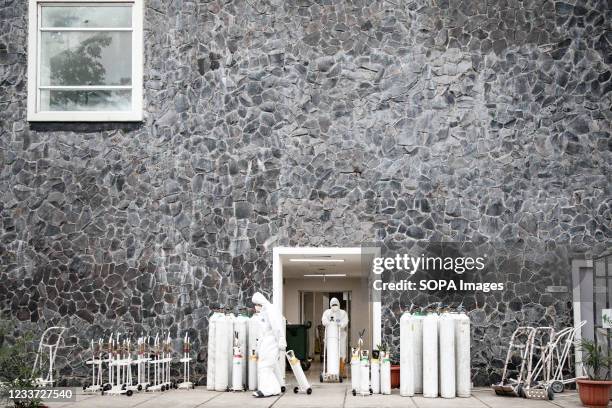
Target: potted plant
{"type": "Point", "coordinates": [594, 391]}
{"type": "Point", "coordinates": [395, 374]}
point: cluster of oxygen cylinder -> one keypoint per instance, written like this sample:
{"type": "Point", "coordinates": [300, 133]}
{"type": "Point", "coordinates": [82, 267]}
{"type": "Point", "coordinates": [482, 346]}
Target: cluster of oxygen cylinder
{"type": "Point", "coordinates": [370, 374]}
{"type": "Point", "coordinates": [232, 358]}
{"type": "Point", "coordinates": [435, 354]}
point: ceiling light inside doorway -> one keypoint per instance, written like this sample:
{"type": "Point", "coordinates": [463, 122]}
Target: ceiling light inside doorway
{"type": "Point", "coordinates": [315, 260]}
{"type": "Point", "coordinates": [329, 275]}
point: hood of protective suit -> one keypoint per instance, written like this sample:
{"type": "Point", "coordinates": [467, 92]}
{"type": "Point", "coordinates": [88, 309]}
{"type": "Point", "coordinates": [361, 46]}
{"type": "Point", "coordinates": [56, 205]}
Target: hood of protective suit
{"type": "Point", "coordinates": [259, 299]}
{"type": "Point", "coordinates": [334, 302]}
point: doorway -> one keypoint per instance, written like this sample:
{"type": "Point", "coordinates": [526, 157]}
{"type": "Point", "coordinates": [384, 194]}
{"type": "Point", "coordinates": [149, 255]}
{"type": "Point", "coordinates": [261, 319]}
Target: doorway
{"type": "Point", "coordinates": [326, 270]}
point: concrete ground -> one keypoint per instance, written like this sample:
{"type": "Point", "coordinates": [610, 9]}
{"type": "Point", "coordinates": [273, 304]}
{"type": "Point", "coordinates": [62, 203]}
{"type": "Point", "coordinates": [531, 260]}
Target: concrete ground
{"type": "Point", "coordinates": [323, 395]}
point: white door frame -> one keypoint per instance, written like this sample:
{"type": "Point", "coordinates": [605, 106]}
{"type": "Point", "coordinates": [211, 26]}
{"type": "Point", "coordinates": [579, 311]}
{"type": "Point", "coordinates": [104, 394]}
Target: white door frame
{"type": "Point", "coordinates": [277, 277]}
{"type": "Point", "coordinates": [577, 266]}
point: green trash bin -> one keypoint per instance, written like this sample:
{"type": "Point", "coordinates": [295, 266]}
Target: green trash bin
{"type": "Point", "coordinates": [297, 340]}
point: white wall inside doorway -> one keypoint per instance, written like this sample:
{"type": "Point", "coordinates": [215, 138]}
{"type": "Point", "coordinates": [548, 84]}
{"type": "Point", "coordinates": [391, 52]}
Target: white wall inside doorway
{"type": "Point", "coordinates": [360, 314]}
{"type": "Point", "coordinates": [280, 253]}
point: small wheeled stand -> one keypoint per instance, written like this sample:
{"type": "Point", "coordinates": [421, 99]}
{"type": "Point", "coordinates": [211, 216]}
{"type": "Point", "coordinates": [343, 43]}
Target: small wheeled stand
{"type": "Point", "coordinates": [186, 360]}
{"type": "Point", "coordinates": [520, 344]}
{"type": "Point", "coordinates": [128, 362]}
{"type": "Point", "coordinates": [296, 367]}
{"type": "Point", "coordinates": [326, 375]}
{"type": "Point", "coordinates": [49, 343]}
{"type": "Point", "coordinates": [120, 363]}
{"type": "Point", "coordinates": [161, 360]}
{"type": "Point", "coordinates": [96, 369]}
{"type": "Point", "coordinates": [142, 377]}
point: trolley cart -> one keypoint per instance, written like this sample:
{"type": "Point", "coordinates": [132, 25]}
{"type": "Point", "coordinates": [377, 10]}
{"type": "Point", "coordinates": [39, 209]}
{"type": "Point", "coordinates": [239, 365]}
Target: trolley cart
{"type": "Point", "coordinates": [186, 360]}
{"type": "Point", "coordinates": [128, 362]}
{"type": "Point", "coordinates": [157, 362]}
{"type": "Point", "coordinates": [296, 367]}
{"type": "Point", "coordinates": [331, 369]}
{"type": "Point", "coordinates": [142, 378]}
{"type": "Point", "coordinates": [166, 363]}
{"type": "Point", "coordinates": [47, 350]}
{"type": "Point", "coordinates": [562, 348]}
{"type": "Point", "coordinates": [110, 350]}
{"type": "Point", "coordinates": [120, 364]}
{"type": "Point", "coordinates": [520, 343]}
{"type": "Point", "coordinates": [541, 352]}
{"type": "Point", "coordinates": [546, 377]}
{"type": "Point", "coordinates": [96, 368]}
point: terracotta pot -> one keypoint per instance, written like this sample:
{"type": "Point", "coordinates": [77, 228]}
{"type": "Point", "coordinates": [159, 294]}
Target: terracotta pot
{"type": "Point", "coordinates": [395, 376]}
{"type": "Point", "coordinates": [594, 394]}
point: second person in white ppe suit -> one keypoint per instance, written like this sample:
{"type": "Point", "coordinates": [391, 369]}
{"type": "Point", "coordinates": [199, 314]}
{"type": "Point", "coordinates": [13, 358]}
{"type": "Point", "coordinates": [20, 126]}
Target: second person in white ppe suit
{"type": "Point", "coordinates": [271, 343]}
{"type": "Point", "coordinates": [340, 317]}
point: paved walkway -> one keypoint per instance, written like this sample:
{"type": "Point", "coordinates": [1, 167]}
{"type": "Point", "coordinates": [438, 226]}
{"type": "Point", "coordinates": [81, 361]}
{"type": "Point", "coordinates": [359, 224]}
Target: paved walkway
{"type": "Point", "coordinates": [323, 395]}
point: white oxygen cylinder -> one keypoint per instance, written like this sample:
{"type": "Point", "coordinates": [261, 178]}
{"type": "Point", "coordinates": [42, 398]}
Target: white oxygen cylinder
{"type": "Point", "coordinates": [300, 377]}
{"type": "Point", "coordinates": [364, 375]}
{"type": "Point", "coordinates": [222, 352]}
{"type": "Point", "coordinates": [355, 369]}
{"type": "Point", "coordinates": [332, 358]}
{"type": "Point", "coordinates": [210, 369]}
{"type": "Point", "coordinates": [237, 384]}
{"type": "Point", "coordinates": [253, 337]}
{"type": "Point", "coordinates": [241, 325]}
{"type": "Point", "coordinates": [407, 355]}
{"type": "Point", "coordinates": [385, 373]}
{"type": "Point", "coordinates": [430, 356]}
{"type": "Point", "coordinates": [280, 366]}
{"type": "Point", "coordinates": [252, 370]}
{"type": "Point", "coordinates": [462, 355]}
{"type": "Point", "coordinates": [418, 352]}
{"type": "Point", "coordinates": [230, 343]}
{"type": "Point", "coordinates": [375, 372]}
{"type": "Point", "coordinates": [446, 335]}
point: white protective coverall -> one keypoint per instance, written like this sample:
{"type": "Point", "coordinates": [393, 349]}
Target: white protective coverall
{"type": "Point", "coordinates": [271, 342]}
{"type": "Point", "coordinates": [341, 319]}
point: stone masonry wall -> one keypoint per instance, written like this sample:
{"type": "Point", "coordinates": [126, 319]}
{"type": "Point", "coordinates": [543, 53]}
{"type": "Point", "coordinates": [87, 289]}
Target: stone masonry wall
{"type": "Point", "coordinates": [311, 123]}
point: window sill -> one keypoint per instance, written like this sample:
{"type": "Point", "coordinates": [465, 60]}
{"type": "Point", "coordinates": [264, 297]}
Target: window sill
{"type": "Point", "coordinates": [85, 117]}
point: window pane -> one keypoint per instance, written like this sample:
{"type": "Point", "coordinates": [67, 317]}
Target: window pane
{"type": "Point", "coordinates": [55, 100]}
{"type": "Point", "coordinates": [86, 58]}
{"type": "Point", "coordinates": [110, 16]}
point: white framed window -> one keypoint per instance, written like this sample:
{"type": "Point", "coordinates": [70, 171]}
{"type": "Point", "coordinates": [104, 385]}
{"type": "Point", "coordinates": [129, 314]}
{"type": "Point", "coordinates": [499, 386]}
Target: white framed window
{"type": "Point", "coordinates": [85, 60]}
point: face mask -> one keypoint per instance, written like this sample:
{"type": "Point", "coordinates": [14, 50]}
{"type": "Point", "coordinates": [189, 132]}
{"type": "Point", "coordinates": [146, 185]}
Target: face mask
{"type": "Point", "coordinates": [335, 308]}
{"type": "Point", "coordinates": [258, 308]}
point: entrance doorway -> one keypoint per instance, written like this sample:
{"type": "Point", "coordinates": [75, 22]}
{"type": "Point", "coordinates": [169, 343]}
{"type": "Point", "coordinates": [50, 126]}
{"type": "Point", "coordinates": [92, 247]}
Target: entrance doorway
{"type": "Point", "coordinates": [304, 277]}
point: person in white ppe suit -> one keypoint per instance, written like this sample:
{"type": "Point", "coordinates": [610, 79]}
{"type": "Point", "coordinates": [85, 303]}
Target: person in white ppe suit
{"type": "Point", "coordinates": [335, 315]}
{"type": "Point", "coordinates": [271, 344]}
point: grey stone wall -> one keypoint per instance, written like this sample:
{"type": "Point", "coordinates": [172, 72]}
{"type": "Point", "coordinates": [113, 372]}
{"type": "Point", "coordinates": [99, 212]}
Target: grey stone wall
{"type": "Point", "coordinates": [311, 123]}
